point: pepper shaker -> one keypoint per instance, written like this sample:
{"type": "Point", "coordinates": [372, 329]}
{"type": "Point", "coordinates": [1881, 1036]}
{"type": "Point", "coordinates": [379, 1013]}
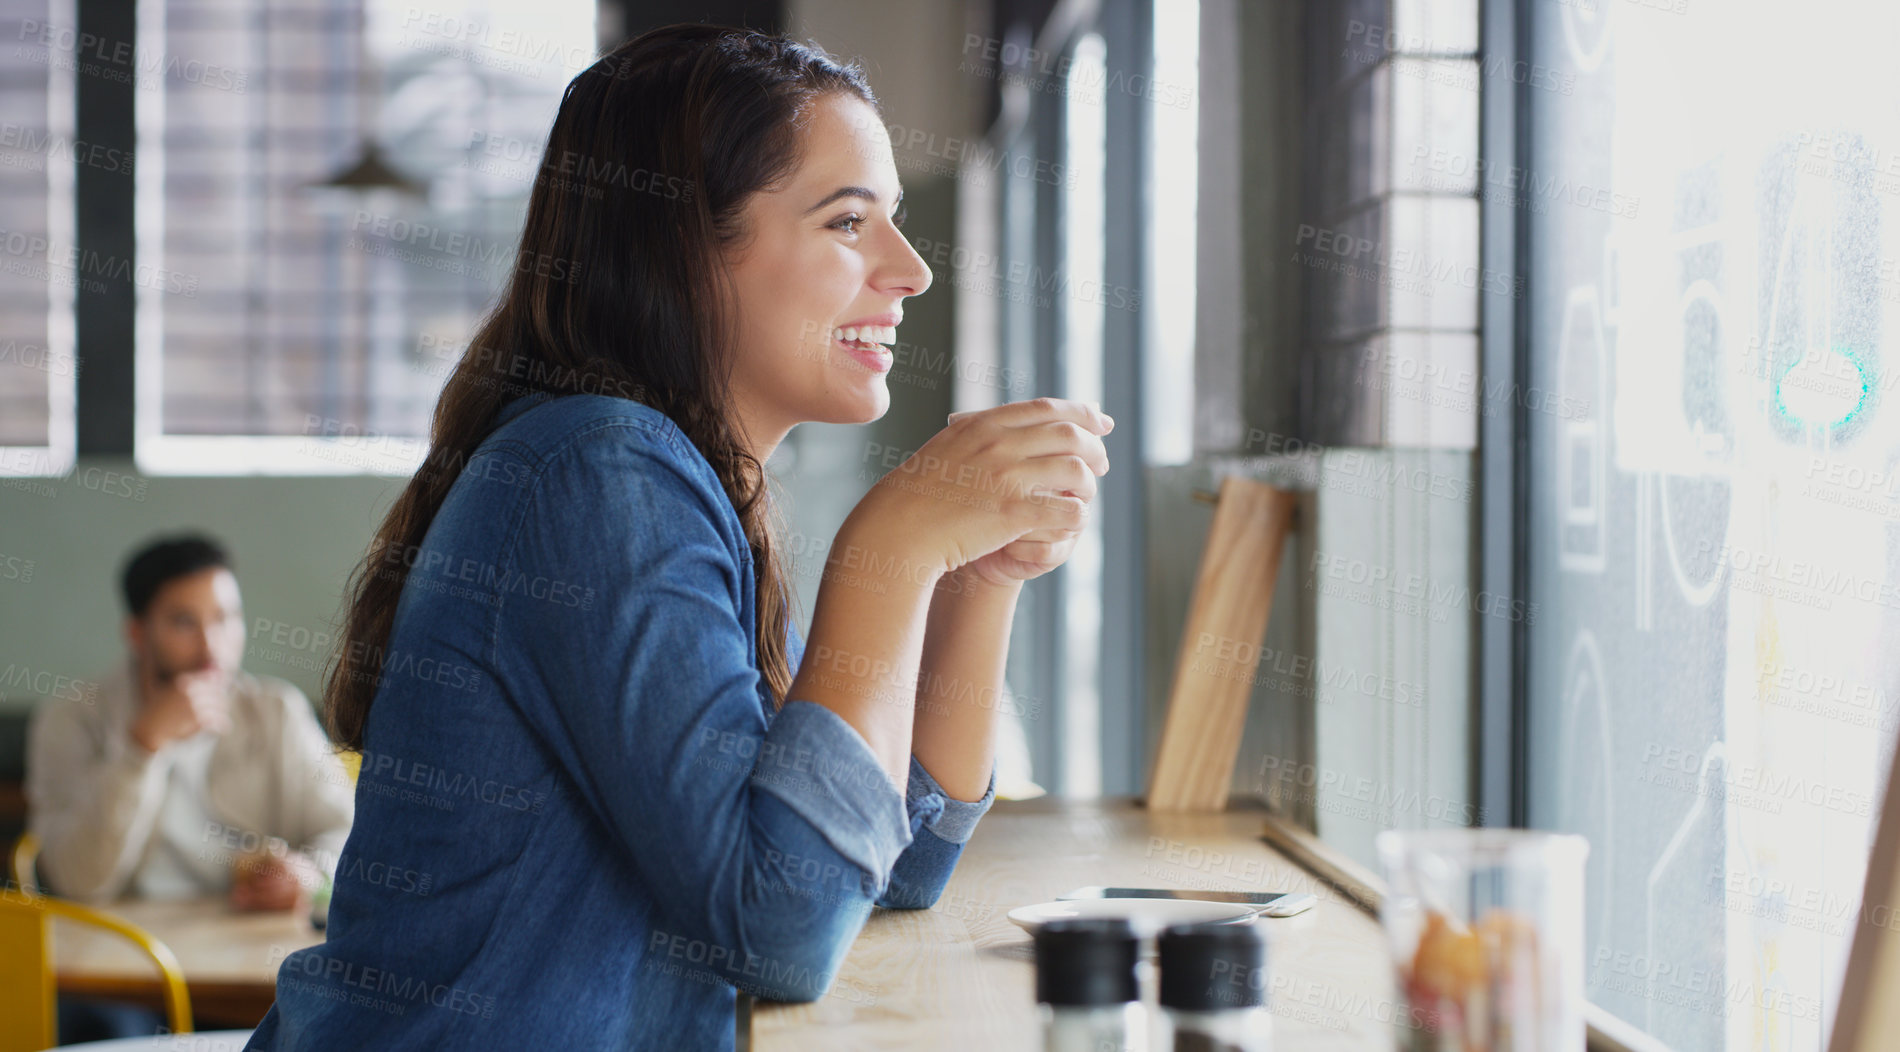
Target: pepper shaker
{"type": "Point", "coordinates": [1086, 986]}
{"type": "Point", "coordinates": [1214, 988]}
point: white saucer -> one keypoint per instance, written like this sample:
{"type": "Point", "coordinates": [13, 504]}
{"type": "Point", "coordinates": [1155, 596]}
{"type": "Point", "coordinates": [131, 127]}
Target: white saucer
{"type": "Point", "coordinates": [1146, 916]}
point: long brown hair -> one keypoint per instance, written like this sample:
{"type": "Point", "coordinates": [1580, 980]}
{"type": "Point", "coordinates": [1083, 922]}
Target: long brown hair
{"type": "Point", "coordinates": [619, 288]}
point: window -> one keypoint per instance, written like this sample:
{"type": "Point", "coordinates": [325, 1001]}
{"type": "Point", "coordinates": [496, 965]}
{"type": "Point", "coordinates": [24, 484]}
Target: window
{"type": "Point", "coordinates": [1084, 223]}
{"type": "Point", "coordinates": [287, 316]}
{"type": "Point", "coordinates": [1712, 194]}
{"type": "Point", "coordinates": [1168, 413]}
{"type": "Point", "coordinates": [38, 369]}
{"type": "Point", "coordinates": [1059, 307]}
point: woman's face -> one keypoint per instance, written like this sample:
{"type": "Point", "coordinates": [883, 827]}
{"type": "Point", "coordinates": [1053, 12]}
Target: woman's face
{"type": "Point", "coordinates": [823, 261]}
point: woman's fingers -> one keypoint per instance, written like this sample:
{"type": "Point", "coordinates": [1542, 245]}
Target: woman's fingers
{"type": "Point", "coordinates": [1055, 476]}
{"type": "Point", "coordinates": [1059, 438]}
{"type": "Point", "coordinates": [1044, 410]}
{"type": "Point", "coordinates": [1050, 535]}
{"type": "Point", "coordinates": [995, 476]}
{"type": "Point", "coordinates": [1040, 553]}
{"type": "Point", "coordinates": [1052, 512]}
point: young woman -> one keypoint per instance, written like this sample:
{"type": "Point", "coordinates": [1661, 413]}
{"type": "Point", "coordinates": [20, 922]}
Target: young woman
{"type": "Point", "coordinates": [604, 783]}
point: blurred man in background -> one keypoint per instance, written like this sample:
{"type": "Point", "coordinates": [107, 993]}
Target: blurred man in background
{"type": "Point", "coordinates": [186, 776]}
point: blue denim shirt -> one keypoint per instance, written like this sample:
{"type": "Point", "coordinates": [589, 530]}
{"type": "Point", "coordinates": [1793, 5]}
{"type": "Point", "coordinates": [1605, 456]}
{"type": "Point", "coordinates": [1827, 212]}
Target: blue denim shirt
{"type": "Point", "coordinates": [580, 823]}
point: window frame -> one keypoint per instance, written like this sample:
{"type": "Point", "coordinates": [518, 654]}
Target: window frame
{"type": "Point", "coordinates": [105, 322]}
{"type": "Point", "coordinates": [1503, 552]}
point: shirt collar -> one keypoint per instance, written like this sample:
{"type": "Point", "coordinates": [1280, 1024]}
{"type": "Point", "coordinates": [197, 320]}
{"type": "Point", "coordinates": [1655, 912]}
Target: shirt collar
{"type": "Point", "coordinates": [520, 405]}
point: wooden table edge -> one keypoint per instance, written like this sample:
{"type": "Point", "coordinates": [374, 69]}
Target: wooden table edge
{"type": "Point", "coordinates": [216, 999]}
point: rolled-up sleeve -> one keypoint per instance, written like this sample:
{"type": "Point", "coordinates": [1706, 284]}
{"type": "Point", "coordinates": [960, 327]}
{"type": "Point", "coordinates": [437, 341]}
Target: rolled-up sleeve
{"type": "Point", "coordinates": [940, 825]}
{"type": "Point", "coordinates": [824, 772]}
{"type": "Point", "coordinates": [621, 596]}
{"type": "Point", "coordinates": [931, 808]}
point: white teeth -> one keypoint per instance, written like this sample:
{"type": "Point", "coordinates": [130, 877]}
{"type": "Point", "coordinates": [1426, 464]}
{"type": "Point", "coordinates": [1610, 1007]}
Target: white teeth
{"type": "Point", "coordinates": [867, 333]}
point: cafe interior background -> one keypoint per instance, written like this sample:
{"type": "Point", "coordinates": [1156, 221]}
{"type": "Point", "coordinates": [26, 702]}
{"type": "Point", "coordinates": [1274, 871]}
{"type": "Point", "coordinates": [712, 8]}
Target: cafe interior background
{"type": "Point", "coordinates": [1565, 322]}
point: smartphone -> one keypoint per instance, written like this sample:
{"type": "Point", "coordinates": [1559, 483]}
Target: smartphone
{"type": "Point", "coordinates": [1272, 904]}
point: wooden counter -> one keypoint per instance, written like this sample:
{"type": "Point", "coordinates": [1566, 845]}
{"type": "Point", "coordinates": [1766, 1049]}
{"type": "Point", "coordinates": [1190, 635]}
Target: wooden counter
{"type": "Point", "coordinates": [957, 976]}
{"type": "Point", "coordinates": [961, 976]}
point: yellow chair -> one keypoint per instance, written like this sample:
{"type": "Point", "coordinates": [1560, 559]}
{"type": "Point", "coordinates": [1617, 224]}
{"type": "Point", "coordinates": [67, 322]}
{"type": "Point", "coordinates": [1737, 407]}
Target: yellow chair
{"type": "Point", "coordinates": [28, 993]}
{"type": "Point", "coordinates": [352, 762]}
{"type": "Point", "coordinates": [26, 851]}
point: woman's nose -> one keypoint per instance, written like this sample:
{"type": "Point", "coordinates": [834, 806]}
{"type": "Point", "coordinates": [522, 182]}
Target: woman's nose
{"type": "Point", "coordinates": [909, 275]}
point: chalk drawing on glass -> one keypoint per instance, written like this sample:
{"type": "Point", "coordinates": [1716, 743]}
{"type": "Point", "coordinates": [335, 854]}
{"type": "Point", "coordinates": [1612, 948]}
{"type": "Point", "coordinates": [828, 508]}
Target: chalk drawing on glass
{"type": "Point", "coordinates": [1587, 32]}
{"type": "Point", "coordinates": [1583, 373]}
{"type": "Point", "coordinates": [1585, 773]}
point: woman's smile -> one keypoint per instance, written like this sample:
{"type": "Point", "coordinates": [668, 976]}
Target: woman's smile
{"type": "Point", "coordinates": [868, 341]}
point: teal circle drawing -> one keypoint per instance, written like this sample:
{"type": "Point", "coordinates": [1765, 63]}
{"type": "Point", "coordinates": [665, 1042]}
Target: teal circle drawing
{"type": "Point", "coordinates": [1860, 400]}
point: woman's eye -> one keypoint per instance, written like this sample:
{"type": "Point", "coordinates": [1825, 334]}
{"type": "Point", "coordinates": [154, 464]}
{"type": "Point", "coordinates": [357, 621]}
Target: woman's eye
{"type": "Point", "coordinates": [903, 212]}
{"type": "Point", "coordinates": [853, 220]}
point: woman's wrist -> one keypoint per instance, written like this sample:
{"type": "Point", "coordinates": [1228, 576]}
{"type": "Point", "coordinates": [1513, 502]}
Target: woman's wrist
{"type": "Point", "coordinates": [870, 544]}
{"type": "Point", "coordinates": [964, 585]}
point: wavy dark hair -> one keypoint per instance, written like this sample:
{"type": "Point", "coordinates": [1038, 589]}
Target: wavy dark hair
{"type": "Point", "coordinates": [619, 287]}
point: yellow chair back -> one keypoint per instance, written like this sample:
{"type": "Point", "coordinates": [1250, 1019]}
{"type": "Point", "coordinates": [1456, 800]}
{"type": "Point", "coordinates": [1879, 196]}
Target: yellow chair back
{"type": "Point", "coordinates": [27, 990]}
{"type": "Point", "coordinates": [20, 864]}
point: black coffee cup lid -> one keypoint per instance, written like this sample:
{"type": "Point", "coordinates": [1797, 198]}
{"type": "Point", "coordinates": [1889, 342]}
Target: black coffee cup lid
{"type": "Point", "coordinates": [1208, 967]}
{"type": "Point", "coordinates": [1086, 962]}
